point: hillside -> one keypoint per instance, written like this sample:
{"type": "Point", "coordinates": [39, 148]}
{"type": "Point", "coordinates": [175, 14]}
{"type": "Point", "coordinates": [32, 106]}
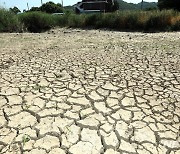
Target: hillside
{"type": "Point", "coordinates": [69, 7]}
{"type": "Point", "coordinates": [126, 6]}
{"type": "Point", "coordinates": [131, 6]}
{"type": "Point", "coordinates": [147, 5]}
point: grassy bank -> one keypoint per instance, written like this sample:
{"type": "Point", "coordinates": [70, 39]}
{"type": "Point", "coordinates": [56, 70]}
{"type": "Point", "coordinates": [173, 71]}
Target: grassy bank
{"type": "Point", "coordinates": [167, 20]}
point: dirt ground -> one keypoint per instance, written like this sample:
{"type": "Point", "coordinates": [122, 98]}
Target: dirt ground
{"type": "Point", "coordinates": [89, 92]}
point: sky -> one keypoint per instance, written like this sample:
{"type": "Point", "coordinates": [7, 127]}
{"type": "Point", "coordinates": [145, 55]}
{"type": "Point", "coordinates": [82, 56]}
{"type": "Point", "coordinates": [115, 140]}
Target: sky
{"type": "Point", "coordinates": [22, 4]}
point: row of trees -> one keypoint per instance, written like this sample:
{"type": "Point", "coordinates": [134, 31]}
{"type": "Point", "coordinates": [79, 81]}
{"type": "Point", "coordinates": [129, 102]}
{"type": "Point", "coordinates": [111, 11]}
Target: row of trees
{"type": "Point", "coordinates": [51, 7]}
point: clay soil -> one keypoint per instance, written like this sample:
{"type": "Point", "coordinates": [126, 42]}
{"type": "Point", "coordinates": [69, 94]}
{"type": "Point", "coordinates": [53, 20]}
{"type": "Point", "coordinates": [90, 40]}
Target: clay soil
{"type": "Point", "coordinates": [89, 92]}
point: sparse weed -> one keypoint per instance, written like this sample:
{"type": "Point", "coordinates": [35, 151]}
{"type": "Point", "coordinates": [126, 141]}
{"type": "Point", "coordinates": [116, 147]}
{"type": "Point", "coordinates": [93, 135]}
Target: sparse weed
{"type": "Point", "coordinates": [38, 87]}
{"type": "Point", "coordinates": [67, 130]}
{"type": "Point", "coordinates": [25, 105]}
{"type": "Point", "coordinates": [26, 138]}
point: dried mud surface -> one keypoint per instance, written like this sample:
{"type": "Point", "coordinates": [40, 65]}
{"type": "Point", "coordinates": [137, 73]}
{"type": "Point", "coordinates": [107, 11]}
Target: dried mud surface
{"type": "Point", "coordinates": [89, 92]}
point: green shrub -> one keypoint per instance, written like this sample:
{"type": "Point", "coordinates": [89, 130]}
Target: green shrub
{"type": "Point", "coordinates": [37, 21]}
{"type": "Point", "coordinates": [60, 20]}
{"type": "Point", "coordinates": [159, 20]}
{"type": "Point", "coordinates": [131, 21]}
{"type": "Point", "coordinates": [9, 22]}
{"type": "Point", "coordinates": [137, 20]}
{"type": "Point", "coordinates": [175, 24]}
{"type": "Point", "coordinates": [91, 20]}
{"type": "Point", "coordinates": [106, 21]}
{"type": "Point", "coordinates": [75, 21]}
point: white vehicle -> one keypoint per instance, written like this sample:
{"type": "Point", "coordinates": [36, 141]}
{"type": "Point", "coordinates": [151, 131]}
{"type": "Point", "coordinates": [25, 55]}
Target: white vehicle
{"type": "Point", "coordinates": [58, 14]}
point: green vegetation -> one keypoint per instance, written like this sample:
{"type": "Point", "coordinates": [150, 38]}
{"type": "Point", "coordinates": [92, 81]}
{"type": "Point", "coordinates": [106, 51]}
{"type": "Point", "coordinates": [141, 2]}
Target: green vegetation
{"type": "Point", "coordinates": [9, 21]}
{"type": "Point", "coordinates": [131, 6]}
{"type": "Point", "coordinates": [15, 10]}
{"type": "Point", "coordinates": [166, 20]}
{"type": "Point", "coordinates": [36, 21]}
{"type": "Point", "coordinates": [132, 21]}
{"type": "Point", "coordinates": [49, 7]}
{"type": "Point", "coordinates": [26, 138]}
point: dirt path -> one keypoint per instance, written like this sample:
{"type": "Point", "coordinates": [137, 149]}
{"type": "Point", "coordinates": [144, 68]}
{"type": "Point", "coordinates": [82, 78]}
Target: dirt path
{"type": "Point", "coordinates": [90, 92]}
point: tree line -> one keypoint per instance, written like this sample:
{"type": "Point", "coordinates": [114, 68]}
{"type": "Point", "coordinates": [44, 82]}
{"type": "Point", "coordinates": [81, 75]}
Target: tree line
{"type": "Point", "coordinates": [49, 7]}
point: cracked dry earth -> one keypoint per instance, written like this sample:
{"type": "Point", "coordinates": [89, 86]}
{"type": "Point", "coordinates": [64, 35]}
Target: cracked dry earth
{"type": "Point", "coordinates": [89, 92]}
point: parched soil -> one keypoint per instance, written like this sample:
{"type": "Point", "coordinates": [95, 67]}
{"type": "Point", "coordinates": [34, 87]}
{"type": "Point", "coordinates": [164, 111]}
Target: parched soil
{"type": "Point", "coordinates": [89, 92]}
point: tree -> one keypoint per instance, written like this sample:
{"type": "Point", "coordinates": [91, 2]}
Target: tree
{"type": "Point", "coordinates": [15, 10]}
{"type": "Point", "coordinates": [169, 4]}
{"type": "Point", "coordinates": [51, 7]}
{"type": "Point", "coordinates": [35, 9]}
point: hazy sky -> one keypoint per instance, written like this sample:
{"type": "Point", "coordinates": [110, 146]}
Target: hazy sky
{"type": "Point", "coordinates": [22, 4]}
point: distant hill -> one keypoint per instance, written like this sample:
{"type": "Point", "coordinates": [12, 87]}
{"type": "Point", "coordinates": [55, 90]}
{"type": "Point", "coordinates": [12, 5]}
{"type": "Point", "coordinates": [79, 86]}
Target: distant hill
{"type": "Point", "coordinates": [147, 5]}
{"type": "Point", "coordinates": [131, 6]}
{"type": "Point", "coordinates": [69, 7]}
{"type": "Point", "coordinates": [126, 6]}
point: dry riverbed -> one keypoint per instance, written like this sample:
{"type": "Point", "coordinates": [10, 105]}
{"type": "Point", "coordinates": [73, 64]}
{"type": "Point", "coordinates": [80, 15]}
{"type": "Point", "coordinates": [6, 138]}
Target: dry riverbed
{"type": "Point", "coordinates": [89, 92]}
